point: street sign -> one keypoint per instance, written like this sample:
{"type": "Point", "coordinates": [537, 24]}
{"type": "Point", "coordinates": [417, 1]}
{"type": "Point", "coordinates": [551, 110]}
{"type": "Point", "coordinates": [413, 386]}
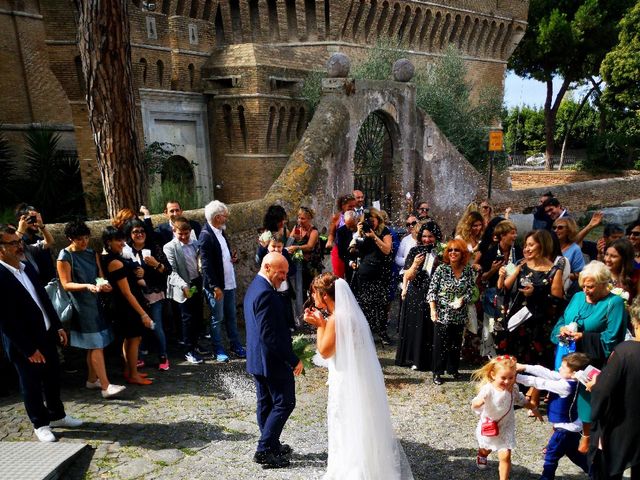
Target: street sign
{"type": "Point", "coordinates": [495, 141]}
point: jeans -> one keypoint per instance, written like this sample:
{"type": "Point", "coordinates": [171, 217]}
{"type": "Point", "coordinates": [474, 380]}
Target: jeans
{"type": "Point", "coordinates": [223, 310]}
{"type": "Point", "coordinates": [155, 310]}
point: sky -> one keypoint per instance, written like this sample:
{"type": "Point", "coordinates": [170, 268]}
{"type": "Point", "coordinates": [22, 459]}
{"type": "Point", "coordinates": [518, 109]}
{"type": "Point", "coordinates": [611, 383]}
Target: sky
{"type": "Point", "coordinates": [519, 91]}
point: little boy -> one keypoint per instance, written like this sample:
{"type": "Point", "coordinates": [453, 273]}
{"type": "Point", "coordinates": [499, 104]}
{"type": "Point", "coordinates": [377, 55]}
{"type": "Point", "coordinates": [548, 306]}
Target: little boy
{"type": "Point", "coordinates": [183, 254]}
{"type": "Point", "coordinates": [562, 411]}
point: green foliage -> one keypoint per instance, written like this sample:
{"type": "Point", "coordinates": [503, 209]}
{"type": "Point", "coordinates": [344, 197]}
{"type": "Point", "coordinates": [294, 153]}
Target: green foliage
{"type": "Point", "coordinates": [155, 154]}
{"type": "Point", "coordinates": [183, 192]}
{"type": "Point", "coordinates": [621, 67]}
{"type": "Point", "coordinates": [378, 64]}
{"type": "Point", "coordinates": [52, 179]}
{"type": "Point", "coordinates": [312, 90]}
{"type": "Point", "coordinates": [444, 93]}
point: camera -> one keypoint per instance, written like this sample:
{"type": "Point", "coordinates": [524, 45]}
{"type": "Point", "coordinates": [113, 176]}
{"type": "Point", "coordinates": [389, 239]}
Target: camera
{"type": "Point", "coordinates": [424, 249]}
{"type": "Point", "coordinates": [366, 223]}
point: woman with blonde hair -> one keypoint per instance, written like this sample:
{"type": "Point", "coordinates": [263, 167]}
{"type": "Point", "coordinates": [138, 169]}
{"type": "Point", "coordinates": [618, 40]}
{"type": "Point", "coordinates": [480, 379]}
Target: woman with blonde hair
{"type": "Point", "coordinates": [469, 229]}
{"type": "Point", "coordinates": [566, 230]}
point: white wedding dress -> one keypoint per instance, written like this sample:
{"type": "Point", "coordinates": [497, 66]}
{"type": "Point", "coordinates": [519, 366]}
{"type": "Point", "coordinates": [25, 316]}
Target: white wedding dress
{"type": "Point", "coordinates": [362, 444]}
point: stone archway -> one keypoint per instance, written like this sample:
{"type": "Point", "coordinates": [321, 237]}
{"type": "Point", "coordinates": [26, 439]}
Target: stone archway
{"type": "Point", "coordinates": [373, 160]}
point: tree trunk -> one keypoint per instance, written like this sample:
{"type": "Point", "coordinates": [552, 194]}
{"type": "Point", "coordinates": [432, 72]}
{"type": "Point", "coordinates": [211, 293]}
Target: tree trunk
{"type": "Point", "coordinates": [550, 113]}
{"type": "Point", "coordinates": [105, 51]}
{"type": "Point", "coordinates": [573, 121]}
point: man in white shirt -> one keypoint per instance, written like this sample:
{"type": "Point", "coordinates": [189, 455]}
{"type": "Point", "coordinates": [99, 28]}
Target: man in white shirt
{"type": "Point", "coordinates": [219, 280]}
{"type": "Point", "coordinates": [30, 331]}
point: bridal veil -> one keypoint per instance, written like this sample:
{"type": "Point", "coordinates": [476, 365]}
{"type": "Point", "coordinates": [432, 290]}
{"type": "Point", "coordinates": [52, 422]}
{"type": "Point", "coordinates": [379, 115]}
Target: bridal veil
{"type": "Point", "coordinates": [362, 444]}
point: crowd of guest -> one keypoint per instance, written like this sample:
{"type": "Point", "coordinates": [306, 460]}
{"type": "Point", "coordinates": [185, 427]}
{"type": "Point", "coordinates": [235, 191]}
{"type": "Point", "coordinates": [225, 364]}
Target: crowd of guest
{"type": "Point", "coordinates": [476, 294]}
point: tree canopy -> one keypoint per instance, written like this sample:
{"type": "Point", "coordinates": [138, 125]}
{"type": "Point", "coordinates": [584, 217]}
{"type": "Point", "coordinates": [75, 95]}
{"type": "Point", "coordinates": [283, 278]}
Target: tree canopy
{"type": "Point", "coordinates": [621, 66]}
{"type": "Point", "coordinates": [566, 38]}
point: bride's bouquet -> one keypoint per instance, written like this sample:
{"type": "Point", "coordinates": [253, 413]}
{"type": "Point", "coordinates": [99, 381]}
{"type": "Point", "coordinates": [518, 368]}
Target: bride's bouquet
{"type": "Point", "coordinates": [303, 350]}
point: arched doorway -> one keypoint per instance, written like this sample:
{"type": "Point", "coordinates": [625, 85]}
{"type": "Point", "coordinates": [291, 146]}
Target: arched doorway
{"type": "Point", "coordinates": [373, 161]}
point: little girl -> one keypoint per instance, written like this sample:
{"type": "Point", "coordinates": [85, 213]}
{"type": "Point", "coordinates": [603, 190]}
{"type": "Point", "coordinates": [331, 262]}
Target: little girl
{"type": "Point", "coordinates": [495, 401]}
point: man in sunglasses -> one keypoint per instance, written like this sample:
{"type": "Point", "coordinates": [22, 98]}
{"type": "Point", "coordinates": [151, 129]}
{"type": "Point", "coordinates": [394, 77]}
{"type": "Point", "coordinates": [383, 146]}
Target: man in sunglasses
{"type": "Point", "coordinates": [30, 331]}
{"type": "Point", "coordinates": [407, 242]}
{"type": "Point", "coordinates": [422, 212]}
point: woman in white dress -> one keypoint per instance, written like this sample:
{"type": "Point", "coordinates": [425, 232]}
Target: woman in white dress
{"type": "Point", "coordinates": [362, 444]}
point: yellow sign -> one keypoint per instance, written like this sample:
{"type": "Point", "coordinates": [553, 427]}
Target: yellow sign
{"type": "Point", "coordinates": [495, 141]}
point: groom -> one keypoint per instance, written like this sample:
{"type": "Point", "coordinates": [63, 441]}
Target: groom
{"type": "Point", "coordinates": [270, 359]}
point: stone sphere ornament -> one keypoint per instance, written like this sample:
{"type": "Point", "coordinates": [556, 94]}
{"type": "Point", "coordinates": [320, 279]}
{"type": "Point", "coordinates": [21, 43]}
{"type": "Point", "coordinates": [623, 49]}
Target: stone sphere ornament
{"type": "Point", "coordinates": [338, 65]}
{"type": "Point", "coordinates": [403, 70]}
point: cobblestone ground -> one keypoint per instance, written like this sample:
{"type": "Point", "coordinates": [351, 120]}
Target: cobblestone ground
{"type": "Point", "coordinates": [197, 422]}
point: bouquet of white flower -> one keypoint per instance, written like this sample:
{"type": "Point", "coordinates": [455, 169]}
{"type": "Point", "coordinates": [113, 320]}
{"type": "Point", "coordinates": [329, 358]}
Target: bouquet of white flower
{"type": "Point", "coordinates": [303, 350]}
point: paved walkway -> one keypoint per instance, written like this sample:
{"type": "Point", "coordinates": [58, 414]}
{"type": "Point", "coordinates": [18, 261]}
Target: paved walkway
{"type": "Point", "coordinates": [197, 422]}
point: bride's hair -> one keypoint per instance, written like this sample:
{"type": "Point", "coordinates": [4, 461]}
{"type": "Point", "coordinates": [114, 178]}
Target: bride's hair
{"type": "Point", "coordinates": [325, 283]}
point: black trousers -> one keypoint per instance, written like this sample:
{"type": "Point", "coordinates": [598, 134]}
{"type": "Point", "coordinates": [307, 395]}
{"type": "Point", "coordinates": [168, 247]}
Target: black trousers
{"type": "Point", "coordinates": [599, 470]}
{"type": "Point", "coordinates": [447, 341]}
{"type": "Point", "coordinates": [40, 385]}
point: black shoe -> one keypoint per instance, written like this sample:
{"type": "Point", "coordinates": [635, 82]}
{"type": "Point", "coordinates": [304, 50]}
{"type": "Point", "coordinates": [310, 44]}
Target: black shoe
{"type": "Point", "coordinates": [437, 379]}
{"type": "Point", "coordinates": [285, 449]}
{"type": "Point", "coordinates": [384, 339]}
{"type": "Point", "coordinates": [269, 460]}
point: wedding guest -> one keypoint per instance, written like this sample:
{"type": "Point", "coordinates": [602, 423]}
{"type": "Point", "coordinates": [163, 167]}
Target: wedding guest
{"type": "Point", "coordinates": [30, 330]}
{"type": "Point", "coordinates": [469, 229]}
{"type": "Point", "coordinates": [486, 210]}
{"type": "Point", "coordinates": [128, 314]}
{"type": "Point", "coordinates": [149, 255]}
{"type": "Point", "coordinates": [408, 241]}
{"type": "Point", "coordinates": [633, 234]}
{"type": "Point", "coordinates": [164, 231]}
{"type": "Point", "coordinates": [619, 260]}
{"type": "Point", "coordinates": [566, 230]}
{"type": "Point", "coordinates": [219, 280]}
{"type": "Point", "coordinates": [274, 222]}
{"type": "Point", "coordinates": [373, 247]}
{"type": "Point", "coordinates": [600, 319]}
{"type": "Point", "coordinates": [450, 292]}
{"type": "Point", "coordinates": [542, 221]}
{"type": "Point", "coordinates": [344, 236]}
{"type": "Point", "coordinates": [343, 204]}
{"type": "Point", "coordinates": [615, 433]}
{"type": "Point", "coordinates": [38, 241]}
{"type": "Point", "coordinates": [184, 284]}
{"type": "Point", "coordinates": [79, 271]}
{"type": "Point", "coordinates": [415, 329]}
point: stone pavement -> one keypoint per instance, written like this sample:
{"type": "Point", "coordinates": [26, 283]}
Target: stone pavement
{"type": "Point", "coordinates": [198, 422]}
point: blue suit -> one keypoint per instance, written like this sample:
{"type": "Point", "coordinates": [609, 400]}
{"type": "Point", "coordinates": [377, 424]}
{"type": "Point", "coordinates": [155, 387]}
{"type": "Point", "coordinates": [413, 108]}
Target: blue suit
{"type": "Point", "coordinates": [23, 332]}
{"type": "Point", "coordinates": [270, 359]}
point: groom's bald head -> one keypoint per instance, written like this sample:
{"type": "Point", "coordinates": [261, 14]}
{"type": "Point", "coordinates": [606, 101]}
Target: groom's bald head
{"type": "Point", "coordinates": [275, 267]}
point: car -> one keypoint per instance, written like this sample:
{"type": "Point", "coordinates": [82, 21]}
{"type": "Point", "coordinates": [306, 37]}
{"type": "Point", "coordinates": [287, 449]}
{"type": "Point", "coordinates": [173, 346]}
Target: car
{"type": "Point", "coordinates": [537, 159]}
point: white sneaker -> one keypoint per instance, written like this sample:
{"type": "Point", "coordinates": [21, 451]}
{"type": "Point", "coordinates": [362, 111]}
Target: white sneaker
{"type": "Point", "coordinates": [93, 385]}
{"type": "Point", "coordinates": [45, 434]}
{"type": "Point", "coordinates": [112, 390]}
{"type": "Point", "coordinates": [67, 421]}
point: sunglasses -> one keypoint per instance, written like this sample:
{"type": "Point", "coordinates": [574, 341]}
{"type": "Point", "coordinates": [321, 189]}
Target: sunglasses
{"type": "Point", "coordinates": [455, 250]}
{"type": "Point", "coordinates": [634, 234]}
{"type": "Point", "coordinates": [423, 209]}
{"type": "Point", "coordinates": [485, 207]}
{"type": "Point", "coordinates": [411, 224]}
{"type": "Point", "coordinates": [560, 227]}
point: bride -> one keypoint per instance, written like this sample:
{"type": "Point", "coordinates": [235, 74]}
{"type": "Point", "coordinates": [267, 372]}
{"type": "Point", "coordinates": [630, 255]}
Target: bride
{"type": "Point", "coordinates": [362, 444]}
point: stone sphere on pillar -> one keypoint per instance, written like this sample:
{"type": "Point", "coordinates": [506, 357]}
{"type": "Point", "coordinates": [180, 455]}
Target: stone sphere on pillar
{"type": "Point", "coordinates": [338, 66]}
{"type": "Point", "coordinates": [403, 70]}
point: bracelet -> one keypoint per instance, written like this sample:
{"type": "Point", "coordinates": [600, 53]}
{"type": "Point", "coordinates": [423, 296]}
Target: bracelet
{"type": "Point", "coordinates": [157, 267]}
{"type": "Point", "coordinates": [20, 233]}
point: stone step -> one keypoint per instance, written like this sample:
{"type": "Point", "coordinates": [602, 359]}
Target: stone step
{"type": "Point", "coordinates": [36, 460]}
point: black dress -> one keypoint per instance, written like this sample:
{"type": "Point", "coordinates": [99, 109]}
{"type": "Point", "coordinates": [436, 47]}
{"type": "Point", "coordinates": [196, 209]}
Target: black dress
{"type": "Point", "coordinates": [616, 423]}
{"type": "Point", "coordinates": [415, 337]}
{"type": "Point", "coordinates": [529, 342]}
{"type": "Point", "coordinates": [126, 320]}
{"type": "Point", "coordinates": [371, 282]}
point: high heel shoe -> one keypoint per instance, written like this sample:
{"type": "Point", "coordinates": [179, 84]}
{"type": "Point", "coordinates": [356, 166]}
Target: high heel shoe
{"type": "Point", "coordinates": [139, 381]}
